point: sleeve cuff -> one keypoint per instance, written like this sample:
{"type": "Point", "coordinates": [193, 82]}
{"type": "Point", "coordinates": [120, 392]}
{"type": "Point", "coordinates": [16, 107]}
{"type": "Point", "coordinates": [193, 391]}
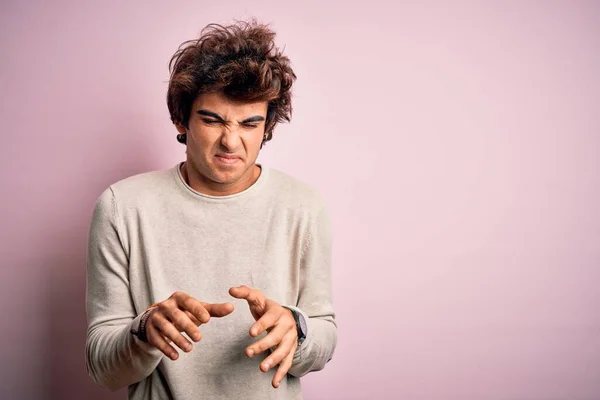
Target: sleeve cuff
{"type": "Point", "coordinates": [144, 346]}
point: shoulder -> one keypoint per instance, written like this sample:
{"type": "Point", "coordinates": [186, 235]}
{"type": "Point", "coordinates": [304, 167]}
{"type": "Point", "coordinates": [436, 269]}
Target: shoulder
{"type": "Point", "coordinates": [136, 189]}
{"type": "Point", "coordinates": [293, 193]}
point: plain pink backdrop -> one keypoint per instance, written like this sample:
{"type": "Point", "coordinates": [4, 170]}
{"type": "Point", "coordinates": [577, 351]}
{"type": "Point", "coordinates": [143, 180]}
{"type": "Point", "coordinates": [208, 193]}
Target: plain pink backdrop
{"type": "Point", "coordinates": [456, 143]}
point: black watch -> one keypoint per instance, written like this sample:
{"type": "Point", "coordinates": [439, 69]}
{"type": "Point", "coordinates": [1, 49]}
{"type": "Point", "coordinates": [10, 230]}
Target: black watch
{"type": "Point", "coordinates": [301, 326]}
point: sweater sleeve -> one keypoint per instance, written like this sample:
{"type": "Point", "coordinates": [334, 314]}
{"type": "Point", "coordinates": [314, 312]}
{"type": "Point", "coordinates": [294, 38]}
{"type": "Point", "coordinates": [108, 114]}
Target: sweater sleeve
{"type": "Point", "coordinates": [114, 357]}
{"type": "Point", "coordinates": [314, 300]}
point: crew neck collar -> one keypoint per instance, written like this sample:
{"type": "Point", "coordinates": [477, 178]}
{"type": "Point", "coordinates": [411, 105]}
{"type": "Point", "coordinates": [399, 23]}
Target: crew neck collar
{"type": "Point", "coordinates": [262, 178]}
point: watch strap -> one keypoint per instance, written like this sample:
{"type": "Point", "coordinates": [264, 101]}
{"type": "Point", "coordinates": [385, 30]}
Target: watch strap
{"type": "Point", "coordinates": [300, 324]}
{"type": "Point", "coordinates": [140, 332]}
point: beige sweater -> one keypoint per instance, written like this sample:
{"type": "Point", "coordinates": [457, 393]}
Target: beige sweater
{"type": "Point", "coordinates": [152, 235]}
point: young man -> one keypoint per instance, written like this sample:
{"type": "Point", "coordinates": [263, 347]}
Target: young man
{"type": "Point", "coordinates": [173, 255]}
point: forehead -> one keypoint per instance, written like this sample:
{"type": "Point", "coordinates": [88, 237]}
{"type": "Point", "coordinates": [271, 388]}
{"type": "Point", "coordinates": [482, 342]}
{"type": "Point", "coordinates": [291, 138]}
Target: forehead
{"type": "Point", "coordinates": [226, 107]}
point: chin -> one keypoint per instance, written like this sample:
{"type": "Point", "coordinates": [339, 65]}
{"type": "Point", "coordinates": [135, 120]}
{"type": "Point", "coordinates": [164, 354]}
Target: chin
{"type": "Point", "coordinates": [226, 179]}
{"type": "Point", "coordinates": [226, 176]}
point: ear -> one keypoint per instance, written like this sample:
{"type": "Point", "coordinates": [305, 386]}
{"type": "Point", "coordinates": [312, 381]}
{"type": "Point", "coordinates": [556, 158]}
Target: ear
{"type": "Point", "coordinates": [264, 141]}
{"type": "Point", "coordinates": [180, 128]}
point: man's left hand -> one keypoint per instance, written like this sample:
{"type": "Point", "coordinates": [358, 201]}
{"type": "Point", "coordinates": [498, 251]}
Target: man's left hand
{"type": "Point", "coordinates": [279, 322]}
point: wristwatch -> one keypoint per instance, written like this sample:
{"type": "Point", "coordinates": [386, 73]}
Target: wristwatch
{"type": "Point", "coordinates": [301, 326]}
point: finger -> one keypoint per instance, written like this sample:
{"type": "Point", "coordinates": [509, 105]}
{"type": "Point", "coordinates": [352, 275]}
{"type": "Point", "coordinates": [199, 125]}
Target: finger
{"type": "Point", "coordinates": [243, 292]}
{"type": "Point", "coordinates": [284, 348]}
{"type": "Point", "coordinates": [169, 331]}
{"type": "Point", "coordinates": [284, 366]}
{"type": "Point", "coordinates": [184, 323]}
{"type": "Point", "coordinates": [218, 309]}
{"type": "Point", "coordinates": [158, 341]}
{"type": "Point", "coordinates": [193, 318]}
{"type": "Point", "coordinates": [272, 339]}
{"type": "Point", "coordinates": [196, 307]}
{"type": "Point", "coordinates": [240, 292]}
{"type": "Point", "coordinates": [265, 322]}
{"type": "Point", "coordinates": [256, 300]}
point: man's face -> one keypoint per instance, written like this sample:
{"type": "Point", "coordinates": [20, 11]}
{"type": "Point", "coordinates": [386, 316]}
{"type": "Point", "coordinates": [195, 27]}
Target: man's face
{"type": "Point", "coordinates": [223, 139]}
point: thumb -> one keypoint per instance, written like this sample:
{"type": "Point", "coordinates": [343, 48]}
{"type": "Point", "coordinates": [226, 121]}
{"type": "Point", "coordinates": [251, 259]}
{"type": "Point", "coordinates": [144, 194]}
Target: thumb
{"type": "Point", "coordinates": [219, 309]}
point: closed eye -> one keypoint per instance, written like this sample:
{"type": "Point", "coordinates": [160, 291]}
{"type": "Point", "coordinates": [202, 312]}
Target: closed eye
{"type": "Point", "coordinates": [215, 122]}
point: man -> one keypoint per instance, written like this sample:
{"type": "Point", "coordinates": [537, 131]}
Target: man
{"type": "Point", "coordinates": [173, 255]}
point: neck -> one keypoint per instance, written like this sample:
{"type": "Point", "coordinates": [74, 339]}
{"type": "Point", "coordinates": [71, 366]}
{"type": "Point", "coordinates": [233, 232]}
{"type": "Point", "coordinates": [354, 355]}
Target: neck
{"type": "Point", "coordinates": [204, 185]}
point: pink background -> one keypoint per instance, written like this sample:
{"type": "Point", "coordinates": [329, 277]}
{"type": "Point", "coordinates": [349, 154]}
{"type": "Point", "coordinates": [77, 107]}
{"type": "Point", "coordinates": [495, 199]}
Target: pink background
{"type": "Point", "coordinates": [456, 143]}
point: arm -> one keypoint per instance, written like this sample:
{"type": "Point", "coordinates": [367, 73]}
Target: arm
{"type": "Point", "coordinates": [114, 357]}
{"type": "Point", "coordinates": [314, 300]}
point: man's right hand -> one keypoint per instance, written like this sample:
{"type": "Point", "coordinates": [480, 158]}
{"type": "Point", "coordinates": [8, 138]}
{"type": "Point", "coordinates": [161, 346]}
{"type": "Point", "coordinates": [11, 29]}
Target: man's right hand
{"type": "Point", "coordinates": [180, 313]}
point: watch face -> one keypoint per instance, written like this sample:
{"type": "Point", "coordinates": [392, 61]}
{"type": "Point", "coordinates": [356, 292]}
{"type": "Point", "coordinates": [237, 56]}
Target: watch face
{"type": "Point", "coordinates": [302, 324]}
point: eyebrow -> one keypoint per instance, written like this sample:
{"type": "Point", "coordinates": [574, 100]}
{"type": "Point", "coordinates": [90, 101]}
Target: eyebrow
{"type": "Point", "coordinates": [207, 113]}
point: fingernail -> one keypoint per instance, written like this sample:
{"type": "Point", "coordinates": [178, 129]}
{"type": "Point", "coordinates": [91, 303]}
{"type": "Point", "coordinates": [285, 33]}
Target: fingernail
{"type": "Point", "coordinates": [266, 366]}
{"type": "Point", "coordinates": [250, 353]}
{"type": "Point", "coordinates": [188, 347]}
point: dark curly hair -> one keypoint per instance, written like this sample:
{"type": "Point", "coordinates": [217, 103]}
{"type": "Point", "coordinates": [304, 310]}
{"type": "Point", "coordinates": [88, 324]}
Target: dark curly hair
{"type": "Point", "coordinates": [240, 60]}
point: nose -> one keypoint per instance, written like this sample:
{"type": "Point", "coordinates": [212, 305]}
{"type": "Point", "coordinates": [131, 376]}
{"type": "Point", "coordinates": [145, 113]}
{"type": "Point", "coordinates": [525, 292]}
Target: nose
{"type": "Point", "coordinates": [230, 139]}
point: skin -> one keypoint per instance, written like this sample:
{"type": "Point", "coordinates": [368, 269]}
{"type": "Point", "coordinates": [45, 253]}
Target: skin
{"type": "Point", "coordinates": [279, 322]}
{"type": "Point", "coordinates": [223, 142]}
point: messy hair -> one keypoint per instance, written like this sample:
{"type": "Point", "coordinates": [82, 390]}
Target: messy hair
{"type": "Point", "coordinates": [240, 60]}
